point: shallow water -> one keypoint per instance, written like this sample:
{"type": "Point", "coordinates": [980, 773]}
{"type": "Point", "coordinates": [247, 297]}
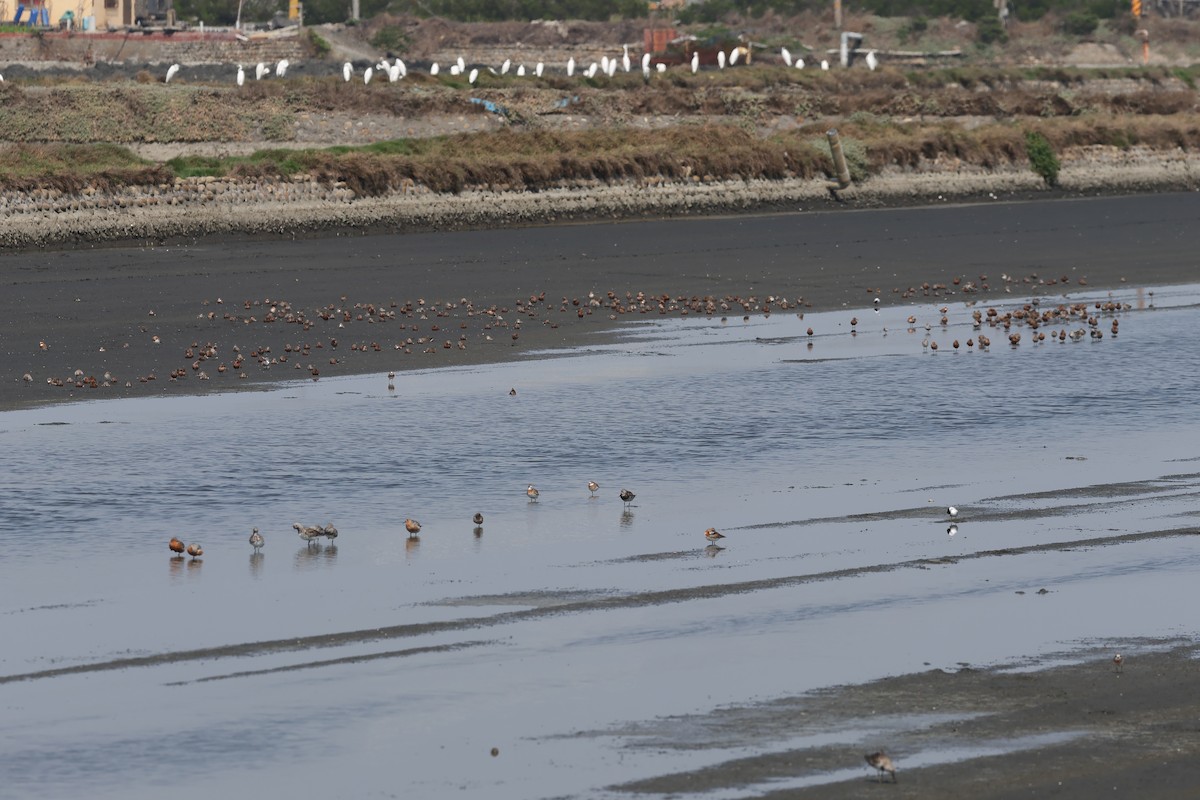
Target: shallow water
{"type": "Point", "coordinates": [383, 665]}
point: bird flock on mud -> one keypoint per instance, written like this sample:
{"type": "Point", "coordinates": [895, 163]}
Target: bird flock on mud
{"type": "Point", "coordinates": [397, 70]}
{"type": "Point", "coordinates": [334, 334]}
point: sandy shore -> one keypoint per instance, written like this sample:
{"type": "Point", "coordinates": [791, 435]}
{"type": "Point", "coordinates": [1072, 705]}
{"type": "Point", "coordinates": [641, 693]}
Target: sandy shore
{"type": "Point", "coordinates": [1093, 732]}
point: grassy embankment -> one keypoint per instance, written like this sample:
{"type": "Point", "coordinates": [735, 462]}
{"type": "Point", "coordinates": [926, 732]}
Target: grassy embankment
{"type": "Point", "coordinates": [69, 135]}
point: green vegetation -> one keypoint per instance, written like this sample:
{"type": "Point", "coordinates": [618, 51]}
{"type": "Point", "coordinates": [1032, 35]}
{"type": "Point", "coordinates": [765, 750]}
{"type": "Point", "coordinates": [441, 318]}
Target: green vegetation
{"type": "Point", "coordinates": [392, 39]}
{"type": "Point", "coordinates": [1041, 157]}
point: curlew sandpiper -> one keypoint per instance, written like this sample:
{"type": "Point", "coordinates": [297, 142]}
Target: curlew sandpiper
{"type": "Point", "coordinates": [176, 546]}
{"type": "Point", "coordinates": [592, 487]}
{"type": "Point", "coordinates": [412, 526]}
{"type": "Point", "coordinates": [195, 551]}
{"type": "Point", "coordinates": [533, 493]}
{"type": "Point", "coordinates": [256, 540]}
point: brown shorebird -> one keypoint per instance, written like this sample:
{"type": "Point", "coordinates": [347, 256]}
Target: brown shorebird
{"type": "Point", "coordinates": [309, 535]}
{"type": "Point", "coordinates": [712, 534]}
{"type": "Point", "coordinates": [592, 487]}
{"type": "Point", "coordinates": [627, 496]}
{"type": "Point", "coordinates": [195, 550]}
{"type": "Point", "coordinates": [328, 531]}
{"type": "Point", "coordinates": [881, 762]}
{"type": "Point", "coordinates": [176, 546]}
{"type": "Point", "coordinates": [533, 493]}
{"type": "Point", "coordinates": [412, 526]}
{"type": "Point", "coordinates": [478, 518]}
{"type": "Point", "coordinates": [256, 540]}
{"type": "Point", "coordinates": [1118, 660]}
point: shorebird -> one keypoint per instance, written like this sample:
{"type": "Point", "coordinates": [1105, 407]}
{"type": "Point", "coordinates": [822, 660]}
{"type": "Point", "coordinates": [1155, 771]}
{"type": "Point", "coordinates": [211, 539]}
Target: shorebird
{"type": "Point", "coordinates": [713, 535]}
{"type": "Point", "coordinates": [592, 487]}
{"type": "Point", "coordinates": [256, 540]}
{"type": "Point", "coordinates": [176, 546]}
{"type": "Point", "coordinates": [533, 493]}
{"type": "Point", "coordinates": [627, 496]}
{"type": "Point", "coordinates": [951, 512]}
{"type": "Point", "coordinates": [195, 551]}
{"type": "Point", "coordinates": [478, 518]}
{"type": "Point", "coordinates": [309, 535]}
{"type": "Point", "coordinates": [881, 762]}
{"type": "Point", "coordinates": [1118, 660]}
{"type": "Point", "coordinates": [328, 531]}
{"type": "Point", "coordinates": [412, 526]}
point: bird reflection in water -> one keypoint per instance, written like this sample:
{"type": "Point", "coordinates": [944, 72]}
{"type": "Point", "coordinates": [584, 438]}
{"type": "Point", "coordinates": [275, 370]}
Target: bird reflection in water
{"type": "Point", "coordinates": [256, 563]}
{"type": "Point", "coordinates": [712, 550]}
{"type": "Point", "coordinates": [175, 567]}
{"type": "Point", "coordinates": [626, 518]}
{"type": "Point", "coordinates": [412, 546]}
{"type": "Point", "coordinates": [313, 556]}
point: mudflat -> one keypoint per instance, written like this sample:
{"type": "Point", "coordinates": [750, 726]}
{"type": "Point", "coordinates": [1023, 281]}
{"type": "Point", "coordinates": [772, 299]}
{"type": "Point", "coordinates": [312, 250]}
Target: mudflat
{"type": "Point", "coordinates": [151, 320]}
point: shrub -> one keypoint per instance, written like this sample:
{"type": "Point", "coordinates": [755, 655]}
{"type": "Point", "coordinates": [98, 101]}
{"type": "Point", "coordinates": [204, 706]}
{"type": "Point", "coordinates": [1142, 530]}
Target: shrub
{"type": "Point", "coordinates": [989, 30]}
{"type": "Point", "coordinates": [1080, 23]}
{"type": "Point", "coordinates": [1041, 157]}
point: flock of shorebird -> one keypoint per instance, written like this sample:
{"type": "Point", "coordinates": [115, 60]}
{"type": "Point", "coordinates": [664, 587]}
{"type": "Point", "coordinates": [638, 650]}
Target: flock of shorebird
{"type": "Point", "coordinates": [607, 67]}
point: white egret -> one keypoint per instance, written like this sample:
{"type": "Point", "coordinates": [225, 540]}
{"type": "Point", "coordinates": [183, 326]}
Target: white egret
{"type": "Point", "coordinates": [646, 72]}
{"type": "Point", "coordinates": [612, 68]}
{"type": "Point", "coordinates": [733, 55]}
{"type": "Point", "coordinates": [570, 67]}
{"type": "Point", "coordinates": [538, 69]}
{"type": "Point", "coordinates": [393, 72]}
{"type": "Point", "coordinates": [347, 71]}
{"type": "Point", "coordinates": [661, 67]}
{"type": "Point", "coordinates": [474, 76]}
{"type": "Point", "coordinates": [260, 70]}
{"type": "Point", "coordinates": [171, 70]}
{"type": "Point", "coordinates": [241, 75]}
{"type": "Point", "coordinates": [786, 55]}
{"type": "Point", "coordinates": [281, 68]}
{"type": "Point", "coordinates": [504, 68]}
{"type": "Point", "coordinates": [454, 70]}
{"type": "Point", "coordinates": [695, 62]}
{"type": "Point", "coordinates": [645, 62]}
{"type": "Point", "coordinates": [720, 59]}
{"type": "Point", "coordinates": [462, 65]}
{"type": "Point", "coordinates": [872, 61]}
{"type": "Point", "coordinates": [824, 65]}
{"type": "Point", "coordinates": [591, 70]}
{"type": "Point", "coordinates": [799, 63]}
{"type": "Point", "coordinates": [402, 69]}
{"type": "Point", "coordinates": [434, 69]}
{"type": "Point", "coordinates": [368, 75]}
{"type": "Point", "coordinates": [604, 64]}
{"type": "Point", "coordinates": [521, 71]}
{"type": "Point", "coordinates": [625, 58]}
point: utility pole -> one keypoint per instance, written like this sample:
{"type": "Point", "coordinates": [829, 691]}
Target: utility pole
{"type": "Point", "coordinates": [353, 9]}
{"type": "Point", "coordinates": [837, 14]}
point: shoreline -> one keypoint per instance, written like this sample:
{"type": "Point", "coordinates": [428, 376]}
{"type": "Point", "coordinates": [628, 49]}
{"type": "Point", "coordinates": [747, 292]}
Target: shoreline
{"type": "Point", "coordinates": [195, 316]}
{"type": "Point", "coordinates": [303, 208]}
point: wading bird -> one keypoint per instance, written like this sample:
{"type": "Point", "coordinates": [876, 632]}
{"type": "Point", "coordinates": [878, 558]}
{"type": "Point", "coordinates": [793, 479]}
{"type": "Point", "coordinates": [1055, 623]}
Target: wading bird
{"type": "Point", "coordinates": [256, 540]}
{"type": "Point", "coordinates": [881, 762]}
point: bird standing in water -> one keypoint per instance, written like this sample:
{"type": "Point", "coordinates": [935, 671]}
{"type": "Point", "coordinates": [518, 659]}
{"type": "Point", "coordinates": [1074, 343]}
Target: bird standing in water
{"type": "Point", "coordinates": [176, 546]}
{"type": "Point", "coordinates": [478, 518]}
{"type": "Point", "coordinates": [627, 496]}
{"type": "Point", "coordinates": [712, 534]}
{"type": "Point", "coordinates": [881, 762]}
{"type": "Point", "coordinates": [533, 493]}
{"type": "Point", "coordinates": [195, 551]}
{"type": "Point", "coordinates": [592, 487]}
{"type": "Point", "coordinates": [412, 526]}
{"type": "Point", "coordinates": [256, 540]}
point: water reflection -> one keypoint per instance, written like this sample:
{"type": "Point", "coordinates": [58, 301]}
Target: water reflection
{"type": "Point", "coordinates": [256, 563]}
{"type": "Point", "coordinates": [712, 550]}
{"type": "Point", "coordinates": [313, 556]}
{"type": "Point", "coordinates": [175, 567]}
{"type": "Point", "coordinates": [626, 518]}
{"type": "Point", "coordinates": [412, 546]}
